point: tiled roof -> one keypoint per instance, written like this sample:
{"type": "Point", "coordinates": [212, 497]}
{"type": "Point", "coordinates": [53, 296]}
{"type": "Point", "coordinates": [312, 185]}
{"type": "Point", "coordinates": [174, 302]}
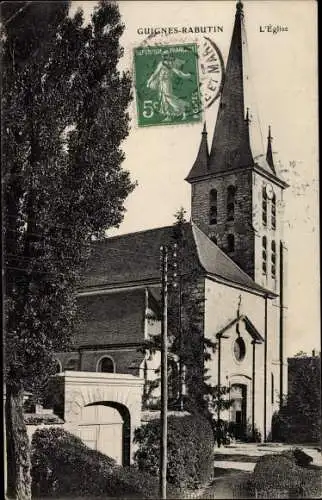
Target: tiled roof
{"type": "Point", "coordinates": [135, 258]}
{"type": "Point", "coordinates": [217, 263]}
{"type": "Point", "coordinates": [127, 258]}
{"type": "Point", "coordinates": [261, 161]}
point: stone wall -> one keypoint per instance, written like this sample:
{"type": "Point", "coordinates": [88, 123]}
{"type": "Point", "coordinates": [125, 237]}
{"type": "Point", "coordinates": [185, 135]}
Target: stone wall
{"type": "Point", "coordinates": [240, 227]}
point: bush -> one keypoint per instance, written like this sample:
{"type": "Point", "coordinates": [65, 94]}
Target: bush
{"type": "Point", "coordinates": [280, 426]}
{"type": "Point", "coordinates": [190, 450]}
{"type": "Point", "coordinates": [63, 466]}
{"type": "Point", "coordinates": [275, 472]}
{"type": "Point", "coordinates": [290, 426]}
{"type": "Point", "coordinates": [280, 476]}
{"type": "Point", "coordinates": [133, 483]}
{"type": "Point", "coordinates": [311, 483]}
{"type": "Point", "coordinates": [298, 456]}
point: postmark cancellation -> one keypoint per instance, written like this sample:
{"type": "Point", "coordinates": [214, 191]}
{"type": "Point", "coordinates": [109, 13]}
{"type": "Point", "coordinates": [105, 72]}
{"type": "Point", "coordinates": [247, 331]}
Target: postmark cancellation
{"type": "Point", "coordinates": [174, 83]}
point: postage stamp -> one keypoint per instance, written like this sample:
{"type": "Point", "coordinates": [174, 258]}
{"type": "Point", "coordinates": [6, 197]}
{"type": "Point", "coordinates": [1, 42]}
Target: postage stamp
{"type": "Point", "coordinates": [167, 84]}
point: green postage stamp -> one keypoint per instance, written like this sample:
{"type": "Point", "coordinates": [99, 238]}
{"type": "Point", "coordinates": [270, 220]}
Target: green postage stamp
{"type": "Point", "coordinates": [167, 84]}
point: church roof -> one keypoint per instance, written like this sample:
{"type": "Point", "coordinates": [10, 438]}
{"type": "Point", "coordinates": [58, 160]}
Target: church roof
{"type": "Point", "coordinates": [237, 139]}
{"type": "Point", "coordinates": [230, 145]}
{"type": "Point", "coordinates": [269, 152]}
{"type": "Point", "coordinates": [134, 259]}
{"type": "Point", "coordinates": [200, 165]}
{"type": "Point", "coordinates": [216, 263]}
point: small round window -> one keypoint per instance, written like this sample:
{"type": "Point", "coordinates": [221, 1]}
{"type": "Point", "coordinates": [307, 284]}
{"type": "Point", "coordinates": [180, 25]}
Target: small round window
{"type": "Point", "coordinates": [239, 349]}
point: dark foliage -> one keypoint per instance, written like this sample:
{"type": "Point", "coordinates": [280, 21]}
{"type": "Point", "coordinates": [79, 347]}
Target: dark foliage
{"type": "Point", "coordinates": [299, 419]}
{"type": "Point", "coordinates": [186, 303]}
{"type": "Point", "coordinates": [130, 482]}
{"type": "Point", "coordinates": [64, 117]}
{"type": "Point", "coordinates": [298, 456]}
{"type": "Point", "coordinates": [279, 476]}
{"type": "Point", "coordinates": [63, 466]}
{"type": "Point", "coordinates": [190, 450]}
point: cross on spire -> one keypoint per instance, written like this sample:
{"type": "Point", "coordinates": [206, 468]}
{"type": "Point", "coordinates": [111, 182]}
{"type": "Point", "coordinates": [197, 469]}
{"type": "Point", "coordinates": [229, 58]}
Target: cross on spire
{"type": "Point", "coordinates": [235, 143]}
{"type": "Point", "coordinates": [230, 145]}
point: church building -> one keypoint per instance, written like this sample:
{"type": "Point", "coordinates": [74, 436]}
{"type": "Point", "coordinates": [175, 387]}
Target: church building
{"type": "Point", "coordinates": [235, 240]}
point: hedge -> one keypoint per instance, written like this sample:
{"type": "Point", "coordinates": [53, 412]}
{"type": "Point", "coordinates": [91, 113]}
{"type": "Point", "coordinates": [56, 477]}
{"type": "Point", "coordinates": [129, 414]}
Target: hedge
{"type": "Point", "coordinates": [286, 475]}
{"type": "Point", "coordinates": [289, 427]}
{"type": "Point", "coordinates": [62, 465]}
{"type": "Point", "coordinates": [190, 450]}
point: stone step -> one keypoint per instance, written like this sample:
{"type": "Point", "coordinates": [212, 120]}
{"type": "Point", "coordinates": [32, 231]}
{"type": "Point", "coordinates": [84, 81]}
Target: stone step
{"type": "Point", "coordinates": [259, 450]}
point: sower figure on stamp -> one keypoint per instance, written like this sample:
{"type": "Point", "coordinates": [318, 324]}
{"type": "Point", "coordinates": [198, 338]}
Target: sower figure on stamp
{"type": "Point", "coordinates": [161, 81]}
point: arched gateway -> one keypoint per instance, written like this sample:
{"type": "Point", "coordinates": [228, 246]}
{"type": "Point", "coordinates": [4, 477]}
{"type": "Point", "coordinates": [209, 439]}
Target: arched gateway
{"type": "Point", "coordinates": [103, 409]}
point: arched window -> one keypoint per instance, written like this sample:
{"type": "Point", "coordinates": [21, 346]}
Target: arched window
{"type": "Point", "coordinates": [264, 255]}
{"type": "Point", "coordinates": [106, 365]}
{"type": "Point", "coordinates": [230, 243]}
{"type": "Point", "coordinates": [274, 211]}
{"type": "Point", "coordinates": [213, 207]}
{"type": "Point", "coordinates": [72, 364]}
{"type": "Point", "coordinates": [231, 194]}
{"type": "Point", "coordinates": [273, 260]}
{"type": "Point", "coordinates": [264, 206]}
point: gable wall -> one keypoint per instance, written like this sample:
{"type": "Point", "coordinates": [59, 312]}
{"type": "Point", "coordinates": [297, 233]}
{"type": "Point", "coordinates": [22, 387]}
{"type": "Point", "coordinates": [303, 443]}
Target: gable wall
{"type": "Point", "coordinates": [221, 308]}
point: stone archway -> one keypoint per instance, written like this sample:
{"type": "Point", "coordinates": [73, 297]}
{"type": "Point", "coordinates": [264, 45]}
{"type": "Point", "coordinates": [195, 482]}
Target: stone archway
{"type": "Point", "coordinates": [103, 393]}
{"type": "Point", "coordinates": [106, 427]}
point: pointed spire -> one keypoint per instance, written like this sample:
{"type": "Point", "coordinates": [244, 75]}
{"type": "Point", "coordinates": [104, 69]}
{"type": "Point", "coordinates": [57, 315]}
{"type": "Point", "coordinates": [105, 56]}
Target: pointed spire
{"type": "Point", "coordinates": [230, 145]}
{"type": "Point", "coordinates": [269, 153]}
{"type": "Point", "coordinates": [247, 116]}
{"type": "Point", "coordinates": [200, 166]}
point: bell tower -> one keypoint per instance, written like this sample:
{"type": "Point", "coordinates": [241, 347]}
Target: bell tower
{"type": "Point", "coordinates": [236, 195]}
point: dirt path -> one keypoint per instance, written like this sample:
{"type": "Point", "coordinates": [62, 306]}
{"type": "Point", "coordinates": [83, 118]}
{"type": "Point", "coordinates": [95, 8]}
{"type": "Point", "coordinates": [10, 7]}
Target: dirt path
{"type": "Point", "coordinates": [223, 486]}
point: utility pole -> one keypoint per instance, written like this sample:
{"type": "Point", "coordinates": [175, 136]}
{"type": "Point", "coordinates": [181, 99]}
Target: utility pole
{"type": "Point", "coordinates": [164, 372]}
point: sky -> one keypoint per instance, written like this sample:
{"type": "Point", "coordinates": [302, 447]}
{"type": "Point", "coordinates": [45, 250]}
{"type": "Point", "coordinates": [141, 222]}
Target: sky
{"type": "Point", "coordinates": [283, 72]}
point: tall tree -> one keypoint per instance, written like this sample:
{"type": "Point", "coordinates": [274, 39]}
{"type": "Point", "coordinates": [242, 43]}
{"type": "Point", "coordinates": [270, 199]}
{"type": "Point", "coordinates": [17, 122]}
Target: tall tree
{"type": "Point", "coordinates": [64, 118]}
{"type": "Point", "coordinates": [186, 326]}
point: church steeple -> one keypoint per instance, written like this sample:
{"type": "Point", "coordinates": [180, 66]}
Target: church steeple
{"type": "Point", "coordinates": [269, 152]}
{"type": "Point", "coordinates": [234, 188]}
{"type": "Point", "coordinates": [201, 162]}
{"type": "Point", "coordinates": [230, 146]}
